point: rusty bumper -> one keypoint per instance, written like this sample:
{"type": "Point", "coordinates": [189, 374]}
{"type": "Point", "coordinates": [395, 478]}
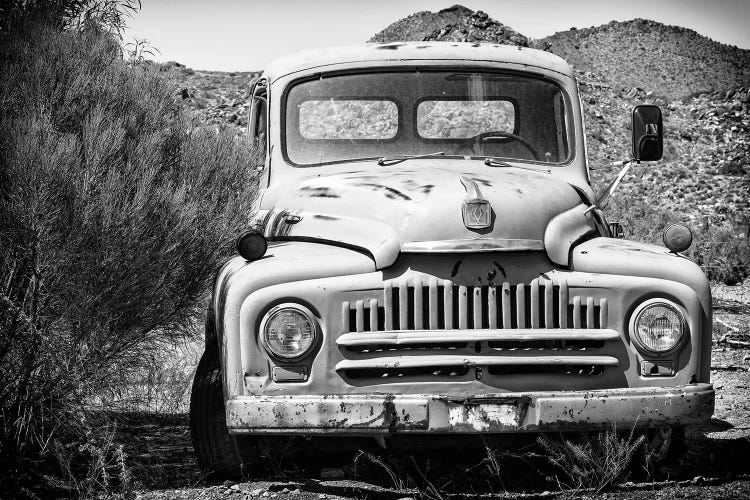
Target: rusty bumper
{"type": "Point", "coordinates": [495, 413]}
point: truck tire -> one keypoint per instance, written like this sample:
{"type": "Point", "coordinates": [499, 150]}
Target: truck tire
{"type": "Point", "coordinates": [218, 453]}
{"type": "Point", "coordinates": [665, 444]}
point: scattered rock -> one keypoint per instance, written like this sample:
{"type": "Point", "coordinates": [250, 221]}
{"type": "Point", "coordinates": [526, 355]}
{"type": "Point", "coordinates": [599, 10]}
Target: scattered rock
{"type": "Point", "coordinates": [333, 473]}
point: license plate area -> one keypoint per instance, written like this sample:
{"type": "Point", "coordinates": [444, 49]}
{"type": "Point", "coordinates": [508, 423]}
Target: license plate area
{"type": "Point", "coordinates": [486, 415]}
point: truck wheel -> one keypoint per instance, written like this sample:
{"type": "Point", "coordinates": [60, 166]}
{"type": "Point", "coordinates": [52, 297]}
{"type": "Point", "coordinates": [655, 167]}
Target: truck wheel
{"type": "Point", "coordinates": [218, 453]}
{"type": "Point", "coordinates": [664, 444]}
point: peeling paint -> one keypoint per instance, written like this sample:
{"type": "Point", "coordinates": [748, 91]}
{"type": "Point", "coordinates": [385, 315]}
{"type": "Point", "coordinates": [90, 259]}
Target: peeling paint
{"type": "Point", "coordinates": [317, 192]}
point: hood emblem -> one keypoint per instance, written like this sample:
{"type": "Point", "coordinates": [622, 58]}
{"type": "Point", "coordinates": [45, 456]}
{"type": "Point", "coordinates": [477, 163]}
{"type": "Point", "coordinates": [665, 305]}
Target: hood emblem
{"type": "Point", "coordinates": [477, 212]}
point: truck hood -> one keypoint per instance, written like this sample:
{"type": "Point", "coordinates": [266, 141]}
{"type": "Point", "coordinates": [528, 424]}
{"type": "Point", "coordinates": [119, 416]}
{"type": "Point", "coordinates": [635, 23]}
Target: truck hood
{"type": "Point", "coordinates": [398, 208]}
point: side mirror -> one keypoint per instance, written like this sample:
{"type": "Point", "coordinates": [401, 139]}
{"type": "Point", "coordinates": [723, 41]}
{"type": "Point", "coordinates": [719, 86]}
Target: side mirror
{"type": "Point", "coordinates": [616, 230]}
{"type": "Point", "coordinates": [648, 133]}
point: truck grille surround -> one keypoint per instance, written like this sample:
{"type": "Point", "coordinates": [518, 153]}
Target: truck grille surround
{"type": "Point", "coordinates": [434, 329]}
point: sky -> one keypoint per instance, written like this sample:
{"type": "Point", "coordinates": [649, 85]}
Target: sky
{"type": "Point", "coordinates": [244, 35]}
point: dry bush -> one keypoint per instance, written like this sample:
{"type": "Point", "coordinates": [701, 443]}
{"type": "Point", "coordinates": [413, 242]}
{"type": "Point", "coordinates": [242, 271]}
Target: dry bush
{"type": "Point", "coordinates": [721, 249]}
{"type": "Point", "coordinates": [596, 461]}
{"type": "Point", "coordinates": [158, 382]}
{"type": "Point", "coordinates": [115, 211]}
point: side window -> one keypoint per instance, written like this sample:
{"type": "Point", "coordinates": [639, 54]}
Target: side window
{"type": "Point", "coordinates": [258, 121]}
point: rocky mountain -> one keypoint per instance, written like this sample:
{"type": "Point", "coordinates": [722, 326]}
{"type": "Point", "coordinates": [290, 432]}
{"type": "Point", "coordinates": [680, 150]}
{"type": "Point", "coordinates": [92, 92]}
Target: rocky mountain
{"type": "Point", "coordinates": [454, 24]}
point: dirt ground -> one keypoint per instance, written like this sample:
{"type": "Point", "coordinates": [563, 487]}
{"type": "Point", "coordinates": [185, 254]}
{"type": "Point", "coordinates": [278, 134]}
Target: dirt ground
{"type": "Point", "coordinates": [715, 465]}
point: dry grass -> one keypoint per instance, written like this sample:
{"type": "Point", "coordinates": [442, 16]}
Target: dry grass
{"type": "Point", "coordinates": [594, 461]}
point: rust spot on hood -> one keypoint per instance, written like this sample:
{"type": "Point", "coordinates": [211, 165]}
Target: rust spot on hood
{"type": "Point", "coordinates": [318, 192]}
{"type": "Point", "coordinates": [390, 192]}
{"type": "Point", "coordinates": [389, 46]}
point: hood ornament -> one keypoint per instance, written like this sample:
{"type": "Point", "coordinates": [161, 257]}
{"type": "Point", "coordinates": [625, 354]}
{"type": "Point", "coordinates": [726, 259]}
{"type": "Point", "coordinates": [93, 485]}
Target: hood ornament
{"type": "Point", "coordinates": [477, 212]}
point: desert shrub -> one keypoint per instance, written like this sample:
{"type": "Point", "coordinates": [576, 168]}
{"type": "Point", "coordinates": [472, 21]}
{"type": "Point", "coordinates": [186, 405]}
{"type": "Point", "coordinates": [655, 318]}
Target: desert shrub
{"type": "Point", "coordinates": [722, 249]}
{"type": "Point", "coordinates": [594, 461]}
{"type": "Point", "coordinates": [115, 211]}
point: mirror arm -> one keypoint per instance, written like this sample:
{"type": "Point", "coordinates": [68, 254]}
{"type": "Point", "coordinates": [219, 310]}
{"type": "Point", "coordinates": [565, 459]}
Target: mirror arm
{"type": "Point", "coordinates": [603, 197]}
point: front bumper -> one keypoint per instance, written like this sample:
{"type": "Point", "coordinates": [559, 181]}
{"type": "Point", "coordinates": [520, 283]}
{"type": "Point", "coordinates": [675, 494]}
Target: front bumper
{"type": "Point", "coordinates": [495, 413]}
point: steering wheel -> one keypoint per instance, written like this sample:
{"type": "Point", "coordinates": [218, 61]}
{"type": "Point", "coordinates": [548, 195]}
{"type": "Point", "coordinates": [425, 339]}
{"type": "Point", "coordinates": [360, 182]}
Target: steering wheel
{"type": "Point", "coordinates": [495, 134]}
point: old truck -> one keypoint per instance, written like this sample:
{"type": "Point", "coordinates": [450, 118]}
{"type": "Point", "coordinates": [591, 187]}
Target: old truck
{"type": "Point", "coordinates": [427, 256]}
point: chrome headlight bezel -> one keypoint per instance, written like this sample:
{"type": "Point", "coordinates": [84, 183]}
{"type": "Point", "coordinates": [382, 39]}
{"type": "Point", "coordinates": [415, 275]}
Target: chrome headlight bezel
{"type": "Point", "coordinates": [271, 314]}
{"type": "Point", "coordinates": [638, 314]}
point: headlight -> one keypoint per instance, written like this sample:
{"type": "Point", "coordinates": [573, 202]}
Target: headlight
{"type": "Point", "coordinates": [657, 325]}
{"type": "Point", "coordinates": [288, 331]}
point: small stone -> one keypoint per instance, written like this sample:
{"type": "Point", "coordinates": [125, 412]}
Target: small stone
{"type": "Point", "coordinates": [256, 492]}
{"type": "Point", "coordinates": [285, 490]}
{"type": "Point", "coordinates": [698, 480]}
{"type": "Point", "coordinates": [332, 474]}
{"type": "Point", "coordinates": [265, 494]}
{"type": "Point", "coordinates": [235, 487]}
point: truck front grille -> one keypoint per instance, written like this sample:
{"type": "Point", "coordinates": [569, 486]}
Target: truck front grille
{"type": "Point", "coordinates": [429, 304]}
{"type": "Point", "coordinates": [423, 328]}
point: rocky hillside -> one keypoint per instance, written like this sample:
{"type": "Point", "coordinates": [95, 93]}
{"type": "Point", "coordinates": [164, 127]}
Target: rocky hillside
{"type": "Point", "coordinates": [219, 98]}
{"type": "Point", "coordinates": [670, 61]}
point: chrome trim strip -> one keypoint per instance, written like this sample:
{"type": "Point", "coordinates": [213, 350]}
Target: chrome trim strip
{"type": "Point", "coordinates": [396, 337]}
{"type": "Point", "coordinates": [473, 245]}
{"type": "Point", "coordinates": [442, 360]}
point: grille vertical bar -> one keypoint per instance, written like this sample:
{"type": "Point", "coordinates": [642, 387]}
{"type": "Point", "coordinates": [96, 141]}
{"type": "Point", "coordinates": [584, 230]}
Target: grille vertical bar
{"type": "Point", "coordinates": [418, 309]}
{"type": "Point", "coordinates": [576, 312]}
{"type": "Point", "coordinates": [403, 306]}
{"type": "Point", "coordinates": [388, 303]}
{"type": "Point", "coordinates": [521, 306]}
{"type": "Point", "coordinates": [433, 298]}
{"type": "Point", "coordinates": [360, 315]}
{"type": "Point", "coordinates": [603, 313]}
{"type": "Point", "coordinates": [535, 303]}
{"type": "Point", "coordinates": [373, 315]}
{"type": "Point", "coordinates": [564, 301]}
{"type": "Point", "coordinates": [505, 298]}
{"type": "Point", "coordinates": [549, 314]}
{"type": "Point", "coordinates": [492, 306]}
{"type": "Point", "coordinates": [477, 306]}
{"type": "Point", "coordinates": [345, 308]}
{"type": "Point", "coordinates": [448, 304]}
{"type": "Point", "coordinates": [463, 320]}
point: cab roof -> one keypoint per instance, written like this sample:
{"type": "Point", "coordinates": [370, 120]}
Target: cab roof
{"type": "Point", "coordinates": [399, 52]}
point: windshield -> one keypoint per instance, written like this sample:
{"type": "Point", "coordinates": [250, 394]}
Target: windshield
{"type": "Point", "coordinates": [475, 114]}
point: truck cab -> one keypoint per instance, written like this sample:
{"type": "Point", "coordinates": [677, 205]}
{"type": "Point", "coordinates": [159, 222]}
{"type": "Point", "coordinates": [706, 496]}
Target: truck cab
{"type": "Point", "coordinates": [427, 256]}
